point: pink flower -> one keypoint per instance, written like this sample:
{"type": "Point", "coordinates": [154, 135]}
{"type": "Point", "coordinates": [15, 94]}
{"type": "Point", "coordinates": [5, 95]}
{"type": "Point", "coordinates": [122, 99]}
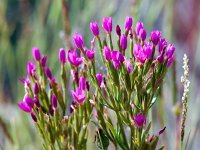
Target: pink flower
{"type": "Point", "coordinates": [140, 120]}
{"type": "Point", "coordinates": [94, 28]}
{"type": "Point", "coordinates": [79, 95]}
{"type": "Point", "coordinates": [155, 37]}
{"type": "Point", "coordinates": [73, 58]}
{"type": "Point", "coordinates": [107, 24]}
{"type": "Point", "coordinates": [99, 78]}
{"type": "Point", "coordinates": [78, 41]}
{"type": "Point", "coordinates": [107, 53]}
{"type": "Point", "coordinates": [90, 54]}
{"type": "Point", "coordinates": [62, 56]}
{"type": "Point", "coordinates": [36, 53]}
{"type": "Point", "coordinates": [31, 69]}
{"type": "Point", "coordinates": [128, 23]}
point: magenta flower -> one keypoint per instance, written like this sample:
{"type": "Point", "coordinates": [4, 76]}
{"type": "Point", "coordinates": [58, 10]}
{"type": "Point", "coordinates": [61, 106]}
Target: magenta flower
{"type": "Point", "coordinates": [99, 78]}
{"type": "Point", "coordinates": [90, 54]}
{"type": "Point", "coordinates": [94, 28]}
{"type": "Point", "coordinates": [128, 23]}
{"type": "Point", "coordinates": [26, 81]}
{"type": "Point", "coordinates": [155, 37]}
{"type": "Point", "coordinates": [123, 42]}
{"type": "Point", "coordinates": [82, 83]}
{"type": "Point", "coordinates": [54, 101]}
{"type": "Point", "coordinates": [62, 56]}
{"type": "Point", "coordinates": [118, 30]}
{"type": "Point", "coordinates": [142, 34]}
{"type": "Point", "coordinates": [170, 50]}
{"type": "Point", "coordinates": [139, 53]}
{"type": "Point", "coordinates": [36, 53]}
{"type": "Point", "coordinates": [129, 66]}
{"type": "Point", "coordinates": [79, 95]}
{"type": "Point", "coordinates": [48, 73]}
{"type": "Point", "coordinates": [107, 53]}
{"type": "Point", "coordinates": [44, 61]}
{"type": "Point", "coordinates": [78, 40]}
{"type": "Point", "coordinates": [29, 101]}
{"type": "Point", "coordinates": [24, 106]}
{"type": "Point", "coordinates": [27, 104]}
{"type": "Point", "coordinates": [107, 24]}
{"type": "Point", "coordinates": [31, 69]}
{"type": "Point", "coordinates": [73, 58]}
{"type": "Point", "coordinates": [139, 26]}
{"type": "Point", "coordinates": [148, 49]}
{"type": "Point", "coordinates": [140, 120]}
{"type": "Point", "coordinates": [162, 45]}
{"type": "Point", "coordinates": [118, 58]}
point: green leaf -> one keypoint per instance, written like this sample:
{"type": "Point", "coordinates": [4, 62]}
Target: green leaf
{"type": "Point", "coordinates": [146, 132]}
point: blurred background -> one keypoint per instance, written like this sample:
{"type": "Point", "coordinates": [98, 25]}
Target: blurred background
{"type": "Point", "coordinates": [48, 24]}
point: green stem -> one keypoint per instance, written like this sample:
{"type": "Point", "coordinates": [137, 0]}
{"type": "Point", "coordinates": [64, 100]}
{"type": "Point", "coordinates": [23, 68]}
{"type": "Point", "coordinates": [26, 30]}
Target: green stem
{"type": "Point", "coordinates": [110, 39]}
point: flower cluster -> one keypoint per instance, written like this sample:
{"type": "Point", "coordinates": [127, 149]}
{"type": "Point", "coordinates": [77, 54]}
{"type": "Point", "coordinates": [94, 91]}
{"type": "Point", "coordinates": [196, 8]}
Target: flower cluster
{"type": "Point", "coordinates": [135, 66]}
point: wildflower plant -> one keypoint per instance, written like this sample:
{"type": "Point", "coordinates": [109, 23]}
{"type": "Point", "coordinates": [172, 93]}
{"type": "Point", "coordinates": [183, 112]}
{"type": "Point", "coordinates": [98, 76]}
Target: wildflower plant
{"type": "Point", "coordinates": [117, 101]}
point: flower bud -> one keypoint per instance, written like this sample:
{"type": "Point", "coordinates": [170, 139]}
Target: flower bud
{"type": "Point", "coordinates": [48, 73]}
{"type": "Point", "coordinates": [99, 78]}
{"type": "Point", "coordinates": [148, 49]}
{"type": "Point", "coordinates": [128, 23]}
{"type": "Point", "coordinates": [123, 42]}
{"type": "Point", "coordinates": [162, 44]}
{"type": "Point", "coordinates": [33, 117]}
{"type": "Point", "coordinates": [129, 66]}
{"type": "Point", "coordinates": [36, 53]}
{"type": "Point", "coordinates": [170, 50]}
{"type": "Point", "coordinates": [139, 26]}
{"type": "Point", "coordinates": [139, 53]}
{"type": "Point", "coordinates": [82, 83]}
{"type": "Point", "coordinates": [36, 101]}
{"type": "Point", "coordinates": [36, 89]}
{"type": "Point", "coordinates": [161, 57]}
{"type": "Point", "coordinates": [117, 56]}
{"type": "Point", "coordinates": [170, 60]}
{"type": "Point", "coordinates": [62, 56]}
{"type": "Point", "coordinates": [155, 37]}
{"type": "Point", "coordinates": [78, 41]}
{"type": "Point", "coordinates": [107, 24]}
{"type": "Point", "coordinates": [94, 28]}
{"type": "Point", "coordinates": [31, 69]}
{"type": "Point", "coordinates": [54, 101]}
{"type": "Point", "coordinates": [107, 53]}
{"type": "Point", "coordinates": [118, 30]}
{"type": "Point", "coordinates": [90, 54]}
{"type": "Point", "coordinates": [44, 61]}
{"type": "Point", "coordinates": [142, 34]}
{"type": "Point", "coordinates": [161, 131]}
